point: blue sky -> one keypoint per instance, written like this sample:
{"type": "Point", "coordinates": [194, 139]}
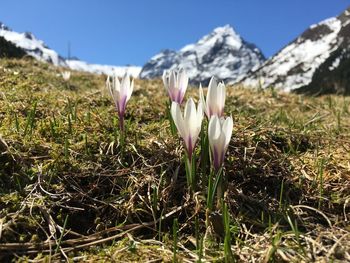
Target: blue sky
{"type": "Point", "coordinates": [130, 32]}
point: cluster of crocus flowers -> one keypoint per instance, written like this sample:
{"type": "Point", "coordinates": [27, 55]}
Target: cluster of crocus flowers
{"type": "Point", "coordinates": [121, 93]}
{"type": "Point", "coordinates": [189, 124]}
{"type": "Point", "coordinates": [219, 129]}
{"type": "Point", "coordinates": [175, 83]}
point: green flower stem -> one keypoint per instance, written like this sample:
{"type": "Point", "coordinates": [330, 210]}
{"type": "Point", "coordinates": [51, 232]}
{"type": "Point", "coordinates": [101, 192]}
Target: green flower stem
{"type": "Point", "coordinates": [212, 187]}
{"type": "Point", "coordinates": [205, 154]}
{"type": "Point", "coordinates": [227, 240]}
{"type": "Point", "coordinates": [190, 165]}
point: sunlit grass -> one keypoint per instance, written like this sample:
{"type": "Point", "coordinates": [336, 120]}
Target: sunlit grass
{"type": "Point", "coordinates": [64, 177]}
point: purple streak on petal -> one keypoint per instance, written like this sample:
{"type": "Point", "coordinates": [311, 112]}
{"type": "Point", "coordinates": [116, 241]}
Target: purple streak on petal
{"type": "Point", "coordinates": [190, 147]}
{"type": "Point", "coordinates": [209, 113]}
{"type": "Point", "coordinates": [121, 111]}
{"type": "Point", "coordinates": [216, 157]}
{"type": "Point", "coordinates": [122, 105]}
{"type": "Point", "coordinates": [170, 93]}
{"type": "Point", "coordinates": [222, 157]}
{"type": "Point", "coordinates": [180, 96]}
{"type": "Point", "coordinates": [173, 95]}
{"type": "Point", "coordinates": [176, 95]}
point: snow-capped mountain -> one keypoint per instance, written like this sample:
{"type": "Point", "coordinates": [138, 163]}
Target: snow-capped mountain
{"type": "Point", "coordinates": [222, 53]}
{"type": "Point", "coordinates": [32, 46]}
{"type": "Point", "coordinates": [37, 49]}
{"type": "Point", "coordinates": [294, 66]}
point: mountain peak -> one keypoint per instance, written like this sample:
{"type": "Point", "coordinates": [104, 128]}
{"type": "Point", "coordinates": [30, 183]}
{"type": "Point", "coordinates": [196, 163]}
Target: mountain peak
{"type": "Point", "coordinates": [225, 30]}
{"type": "Point", "coordinates": [221, 53]}
{"type": "Point", "coordinates": [220, 35]}
{"type": "Point", "coordinates": [4, 27]}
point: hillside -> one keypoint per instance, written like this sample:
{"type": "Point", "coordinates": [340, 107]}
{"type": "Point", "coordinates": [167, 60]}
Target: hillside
{"type": "Point", "coordinates": [70, 189]}
{"type": "Point", "coordinates": [295, 65]}
{"type": "Point", "coordinates": [9, 50]}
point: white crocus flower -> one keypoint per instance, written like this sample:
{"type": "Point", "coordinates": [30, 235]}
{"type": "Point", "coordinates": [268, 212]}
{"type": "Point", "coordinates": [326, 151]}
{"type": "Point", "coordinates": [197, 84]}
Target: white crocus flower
{"type": "Point", "coordinates": [215, 102]}
{"type": "Point", "coordinates": [189, 124]}
{"type": "Point", "coordinates": [121, 93]}
{"type": "Point", "coordinates": [219, 133]}
{"type": "Point", "coordinates": [66, 75]}
{"type": "Point", "coordinates": [175, 83]}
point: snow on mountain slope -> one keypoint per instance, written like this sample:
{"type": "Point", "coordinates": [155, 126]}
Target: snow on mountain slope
{"type": "Point", "coordinates": [295, 65]}
{"type": "Point", "coordinates": [332, 77]}
{"type": "Point", "coordinates": [37, 49]}
{"type": "Point", "coordinates": [32, 46]}
{"type": "Point", "coordinates": [222, 53]}
{"type": "Point", "coordinates": [79, 65]}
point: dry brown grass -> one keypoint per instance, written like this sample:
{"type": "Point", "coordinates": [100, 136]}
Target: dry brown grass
{"type": "Point", "coordinates": [68, 191]}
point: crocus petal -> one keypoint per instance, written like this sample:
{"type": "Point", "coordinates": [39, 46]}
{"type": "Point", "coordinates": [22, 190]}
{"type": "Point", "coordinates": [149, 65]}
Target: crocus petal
{"type": "Point", "coordinates": [113, 86]}
{"type": "Point", "coordinates": [174, 93]}
{"type": "Point", "coordinates": [212, 83]}
{"type": "Point", "coordinates": [178, 119]}
{"type": "Point", "coordinates": [179, 96]}
{"type": "Point", "coordinates": [125, 85]}
{"type": "Point", "coordinates": [198, 122]}
{"type": "Point", "coordinates": [219, 133]}
{"type": "Point", "coordinates": [216, 158]}
{"type": "Point", "coordinates": [213, 130]}
{"type": "Point", "coordinates": [212, 96]}
{"type": "Point", "coordinates": [221, 97]}
{"type": "Point", "coordinates": [122, 105]}
{"type": "Point", "coordinates": [190, 113]}
{"type": "Point", "coordinates": [131, 88]}
{"type": "Point", "coordinates": [199, 117]}
{"type": "Point", "coordinates": [172, 80]}
{"type": "Point", "coordinates": [202, 100]}
{"type": "Point", "coordinates": [182, 81]}
{"type": "Point", "coordinates": [116, 84]}
{"type": "Point", "coordinates": [227, 130]}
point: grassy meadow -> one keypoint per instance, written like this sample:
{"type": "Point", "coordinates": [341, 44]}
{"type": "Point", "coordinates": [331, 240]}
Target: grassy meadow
{"type": "Point", "coordinates": [71, 190]}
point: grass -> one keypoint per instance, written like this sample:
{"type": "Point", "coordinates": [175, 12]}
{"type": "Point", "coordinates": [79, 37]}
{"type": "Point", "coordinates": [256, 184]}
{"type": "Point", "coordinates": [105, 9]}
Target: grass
{"type": "Point", "coordinates": [70, 190]}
